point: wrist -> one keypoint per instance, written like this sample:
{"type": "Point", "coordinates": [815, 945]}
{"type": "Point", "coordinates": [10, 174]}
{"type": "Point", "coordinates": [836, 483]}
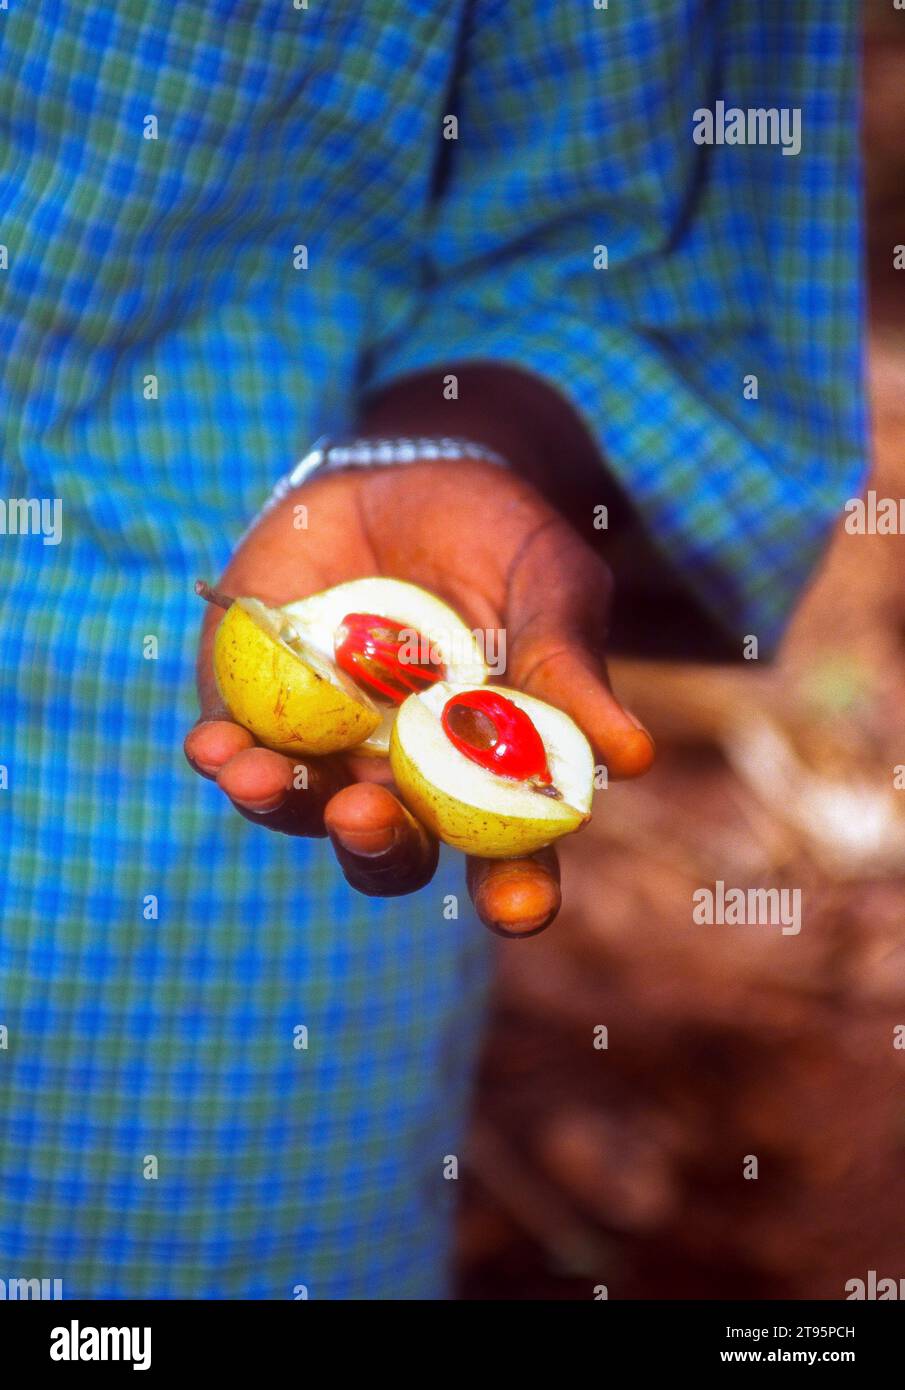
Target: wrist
{"type": "Point", "coordinates": [375, 450]}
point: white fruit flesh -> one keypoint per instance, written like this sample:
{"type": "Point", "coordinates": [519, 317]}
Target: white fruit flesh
{"type": "Point", "coordinates": [475, 809]}
{"type": "Point", "coordinates": [318, 617]}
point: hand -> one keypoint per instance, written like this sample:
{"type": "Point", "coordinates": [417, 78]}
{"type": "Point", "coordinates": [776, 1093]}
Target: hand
{"type": "Point", "coordinates": [485, 541]}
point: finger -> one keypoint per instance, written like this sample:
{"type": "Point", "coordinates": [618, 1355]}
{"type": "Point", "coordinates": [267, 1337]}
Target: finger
{"type": "Point", "coordinates": [279, 792]}
{"type": "Point", "coordinates": [382, 850]}
{"type": "Point", "coordinates": [577, 683]}
{"type": "Point", "coordinates": [558, 604]}
{"type": "Point", "coordinates": [212, 742]}
{"type": "Point", "coordinates": [516, 897]}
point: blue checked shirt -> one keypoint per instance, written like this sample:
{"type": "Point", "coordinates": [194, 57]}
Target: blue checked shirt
{"type": "Point", "coordinates": [221, 1073]}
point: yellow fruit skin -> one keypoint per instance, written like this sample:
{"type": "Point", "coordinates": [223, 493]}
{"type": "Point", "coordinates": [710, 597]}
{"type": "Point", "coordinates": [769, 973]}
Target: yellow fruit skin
{"type": "Point", "coordinates": [273, 694]}
{"type": "Point", "coordinates": [471, 828]}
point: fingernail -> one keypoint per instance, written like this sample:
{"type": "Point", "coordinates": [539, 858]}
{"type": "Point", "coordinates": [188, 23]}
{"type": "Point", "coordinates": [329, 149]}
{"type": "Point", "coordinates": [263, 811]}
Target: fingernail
{"type": "Point", "coordinates": [518, 900]}
{"type": "Point", "coordinates": [208, 769]}
{"type": "Point", "coordinates": [369, 843]}
{"type": "Point", "coordinates": [519, 931]}
{"type": "Point", "coordinates": [635, 720]}
{"type": "Point", "coordinates": [264, 807]}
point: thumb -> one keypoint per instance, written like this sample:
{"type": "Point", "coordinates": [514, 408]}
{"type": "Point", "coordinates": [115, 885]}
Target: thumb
{"type": "Point", "coordinates": [573, 680]}
{"type": "Point", "coordinates": [558, 612]}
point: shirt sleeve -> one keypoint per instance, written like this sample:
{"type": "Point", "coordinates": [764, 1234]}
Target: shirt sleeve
{"type": "Point", "coordinates": [698, 304]}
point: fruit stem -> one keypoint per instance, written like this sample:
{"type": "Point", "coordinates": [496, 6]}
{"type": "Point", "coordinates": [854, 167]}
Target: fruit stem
{"type": "Point", "coordinates": [204, 590]}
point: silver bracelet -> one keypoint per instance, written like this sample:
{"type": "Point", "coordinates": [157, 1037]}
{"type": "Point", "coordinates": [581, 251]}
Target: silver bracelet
{"type": "Point", "coordinates": [375, 452]}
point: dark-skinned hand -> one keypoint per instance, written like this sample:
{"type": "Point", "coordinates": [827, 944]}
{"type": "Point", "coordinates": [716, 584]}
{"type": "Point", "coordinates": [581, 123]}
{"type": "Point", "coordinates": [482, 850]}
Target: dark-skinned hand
{"type": "Point", "coordinates": [484, 540]}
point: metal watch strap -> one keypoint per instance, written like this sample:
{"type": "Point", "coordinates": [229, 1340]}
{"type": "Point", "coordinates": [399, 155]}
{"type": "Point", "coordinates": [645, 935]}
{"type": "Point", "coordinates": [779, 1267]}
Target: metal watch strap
{"type": "Point", "coordinates": [373, 451]}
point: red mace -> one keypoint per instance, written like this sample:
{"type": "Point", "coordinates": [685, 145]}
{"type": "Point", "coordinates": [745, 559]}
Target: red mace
{"type": "Point", "coordinates": [372, 650]}
{"type": "Point", "coordinates": [497, 735]}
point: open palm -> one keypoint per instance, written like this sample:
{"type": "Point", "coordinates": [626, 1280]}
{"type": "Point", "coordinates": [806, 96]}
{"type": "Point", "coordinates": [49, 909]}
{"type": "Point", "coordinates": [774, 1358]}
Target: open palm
{"type": "Point", "coordinates": [486, 542]}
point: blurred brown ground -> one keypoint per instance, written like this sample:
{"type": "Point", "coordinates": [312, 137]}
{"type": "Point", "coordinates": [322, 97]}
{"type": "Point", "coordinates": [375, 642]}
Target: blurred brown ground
{"type": "Point", "coordinates": [623, 1166]}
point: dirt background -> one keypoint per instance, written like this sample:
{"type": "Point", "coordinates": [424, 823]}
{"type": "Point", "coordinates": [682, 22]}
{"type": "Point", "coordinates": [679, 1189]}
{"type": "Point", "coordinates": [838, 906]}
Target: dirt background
{"type": "Point", "coordinates": [623, 1166]}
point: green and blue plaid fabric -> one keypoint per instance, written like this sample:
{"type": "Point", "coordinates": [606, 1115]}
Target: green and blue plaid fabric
{"type": "Point", "coordinates": [223, 220]}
